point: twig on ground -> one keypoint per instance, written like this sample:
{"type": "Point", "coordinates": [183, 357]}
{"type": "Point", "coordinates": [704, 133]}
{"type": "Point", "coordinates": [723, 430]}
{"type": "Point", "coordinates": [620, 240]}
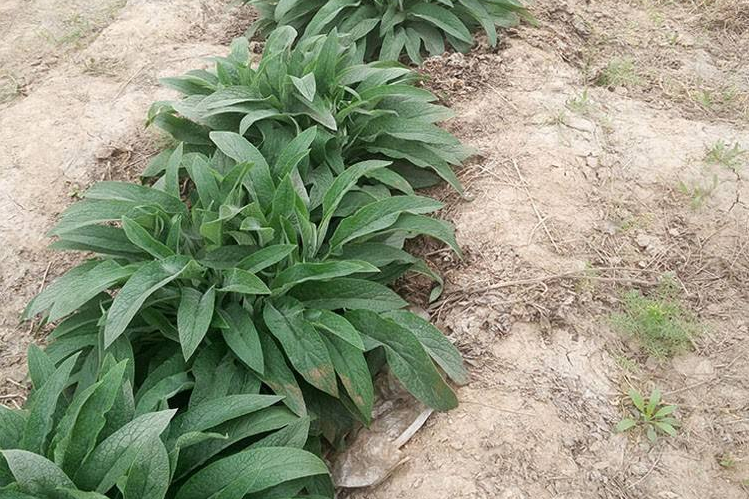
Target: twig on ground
{"type": "Point", "coordinates": [541, 218]}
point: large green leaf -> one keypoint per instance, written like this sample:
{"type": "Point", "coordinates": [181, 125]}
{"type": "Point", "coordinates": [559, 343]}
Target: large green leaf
{"type": "Point", "coordinates": [194, 317]}
{"type": "Point", "coordinates": [150, 475]}
{"type": "Point", "coordinates": [43, 406]}
{"type": "Point", "coordinates": [435, 343]}
{"type": "Point", "coordinates": [77, 433]}
{"type": "Point", "coordinates": [242, 337]}
{"type": "Point", "coordinates": [251, 471]}
{"type": "Point", "coordinates": [303, 345]}
{"type": "Point", "coordinates": [322, 271]}
{"type": "Point", "coordinates": [35, 474]}
{"type": "Point", "coordinates": [111, 459]}
{"type": "Point", "coordinates": [348, 293]}
{"type": "Point", "coordinates": [379, 215]}
{"type": "Point", "coordinates": [142, 284]}
{"type": "Point", "coordinates": [216, 411]}
{"type": "Point", "coordinates": [407, 359]}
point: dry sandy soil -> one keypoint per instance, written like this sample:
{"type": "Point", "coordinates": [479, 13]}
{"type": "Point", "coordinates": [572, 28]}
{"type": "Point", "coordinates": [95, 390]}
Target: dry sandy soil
{"type": "Point", "coordinates": [594, 178]}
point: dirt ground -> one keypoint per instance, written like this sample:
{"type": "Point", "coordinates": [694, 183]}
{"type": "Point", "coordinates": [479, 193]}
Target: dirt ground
{"type": "Point", "coordinates": [597, 175]}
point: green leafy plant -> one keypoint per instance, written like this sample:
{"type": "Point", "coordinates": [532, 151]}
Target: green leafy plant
{"type": "Point", "coordinates": [725, 154]}
{"type": "Point", "coordinates": [358, 112]}
{"type": "Point", "coordinates": [659, 322]}
{"type": "Point", "coordinates": [652, 415]}
{"type": "Point", "coordinates": [387, 29]}
{"type": "Point", "coordinates": [295, 296]}
{"type": "Point", "coordinates": [79, 439]}
{"type": "Point", "coordinates": [619, 72]}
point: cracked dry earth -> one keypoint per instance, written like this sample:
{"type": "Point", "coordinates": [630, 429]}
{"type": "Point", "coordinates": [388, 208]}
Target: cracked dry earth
{"type": "Point", "coordinates": [580, 193]}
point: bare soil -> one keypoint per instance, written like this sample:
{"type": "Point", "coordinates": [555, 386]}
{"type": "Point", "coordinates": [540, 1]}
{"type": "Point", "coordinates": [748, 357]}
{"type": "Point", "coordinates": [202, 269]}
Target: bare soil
{"type": "Point", "coordinates": [581, 193]}
{"type": "Point", "coordinates": [585, 187]}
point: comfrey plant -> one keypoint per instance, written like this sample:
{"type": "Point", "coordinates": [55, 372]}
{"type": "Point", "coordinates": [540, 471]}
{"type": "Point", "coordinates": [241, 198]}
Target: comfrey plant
{"type": "Point", "coordinates": [241, 268]}
{"type": "Point", "coordinates": [94, 439]}
{"type": "Point", "coordinates": [389, 29]}
{"type": "Point", "coordinates": [360, 112]}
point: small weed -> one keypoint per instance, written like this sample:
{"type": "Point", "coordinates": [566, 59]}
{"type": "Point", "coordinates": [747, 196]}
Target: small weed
{"type": "Point", "coordinates": [10, 88]}
{"type": "Point", "coordinates": [711, 99]}
{"type": "Point", "coordinates": [580, 104]}
{"type": "Point", "coordinates": [626, 363]}
{"type": "Point", "coordinates": [619, 73]}
{"type": "Point", "coordinates": [103, 66]}
{"type": "Point", "coordinates": [652, 415]}
{"type": "Point", "coordinates": [722, 153]}
{"type": "Point", "coordinates": [557, 119]}
{"type": "Point", "coordinates": [697, 192]}
{"type": "Point", "coordinates": [660, 323]}
{"type": "Point", "coordinates": [726, 461]}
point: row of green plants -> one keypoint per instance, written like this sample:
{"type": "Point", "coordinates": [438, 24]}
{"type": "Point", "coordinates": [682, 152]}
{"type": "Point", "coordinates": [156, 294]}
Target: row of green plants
{"type": "Point", "coordinates": [223, 332]}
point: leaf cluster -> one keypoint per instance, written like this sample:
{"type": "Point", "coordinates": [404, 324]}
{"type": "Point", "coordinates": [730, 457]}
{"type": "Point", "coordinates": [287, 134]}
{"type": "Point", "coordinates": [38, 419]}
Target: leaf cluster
{"type": "Point", "coordinates": [388, 29]}
{"type": "Point", "coordinates": [651, 414]}
{"type": "Point", "coordinates": [243, 287]}
{"type": "Point", "coordinates": [360, 111]}
{"type": "Point", "coordinates": [112, 436]}
{"type": "Point", "coordinates": [226, 326]}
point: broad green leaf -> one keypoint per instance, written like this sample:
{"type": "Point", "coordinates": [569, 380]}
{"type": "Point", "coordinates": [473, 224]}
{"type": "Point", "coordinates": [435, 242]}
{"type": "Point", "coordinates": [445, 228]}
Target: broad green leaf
{"type": "Point", "coordinates": [217, 411]}
{"type": "Point", "coordinates": [443, 19]}
{"type": "Point", "coordinates": [42, 408]}
{"type": "Point", "coordinates": [162, 391]}
{"type": "Point", "coordinates": [326, 14]}
{"type": "Point", "coordinates": [280, 377]}
{"type": "Point", "coordinates": [171, 176]}
{"type": "Point", "coordinates": [292, 435]}
{"type": "Point", "coordinates": [150, 474]}
{"type": "Point", "coordinates": [242, 337]}
{"type": "Point", "coordinates": [336, 325]}
{"type": "Point", "coordinates": [265, 257]}
{"type": "Point", "coordinates": [101, 239]}
{"type": "Point", "coordinates": [141, 285]}
{"type": "Point", "coordinates": [194, 318]}
{"type": "Point", "coordinates": [379, 215]}
{"type": "Point", "coordinates": [422, 225]}
{"type": "Point", "coordinates": [343, 184]}
{"type": "Point", "coordinates": [244, 282]}
{"type": "Point", "coordinates": [90, 212]}
{"type": "Point", "coordinates": [251, 471]}
{"type": "Point", "coordinates": [637, 399]}
{"type": "Point", "coordinates": [239, 149]}
{"type": "Point", "coordinates": [40, 365]}
{"type": "Point", "coordinates": [77, 433]}
{"type": "Point", "coordinates": [138, 195]}
{"type": "Point", "coordinates": [235, 430]}
{"type": "Point", "coordinates": [625, 424]}
{"type": "Point", "coordinates": [353, 371]}
{"type": "Point", "coordinates": [348, 293]}
{"type": "Point", "coordinates": [303, 345]}
{"type": "Point", "coordinates": [145, 241]}
{"type": "Point", "coordinates": [407, 359]}
{"type": "Point", "coordinates": [306, 85]}
{"type": "Point", "coordinates": [35, 474]}
{"type": "Point", "coordinates": [74, 289]}
{"type": "Point", "coordinates": [434, 342]}
{"type": "Point", "coordinates": [114, 456]}
{"type": "Point", "coordinates": [323, 271]}
{"type": "Point", "coordinates": [78, 494]}
{"type": "Point", "coordinates": [12, 423]}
